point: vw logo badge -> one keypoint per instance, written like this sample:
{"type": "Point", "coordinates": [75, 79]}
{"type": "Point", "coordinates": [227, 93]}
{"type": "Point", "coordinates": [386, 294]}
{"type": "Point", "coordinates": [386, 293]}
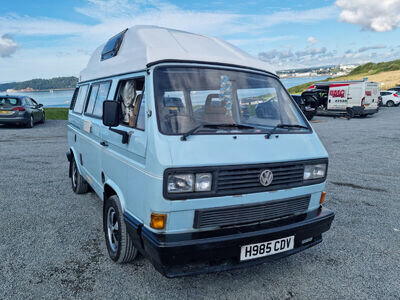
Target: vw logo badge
{"type": "Point", "coordinates": [266, 177]}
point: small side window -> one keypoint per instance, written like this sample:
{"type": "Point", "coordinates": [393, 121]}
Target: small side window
{"type": "Point", "coordinates": [131, 97]}
{"type": "Point", "coordinates": [140, 124]}
{"type": "Point", "coordinates": [80, 100]}
{"type": "Point", "coordinates": [73, 100]}
{"type": "Point", "coordinates": [102, 95]}
{"type": "Point", "coordinates": [92, 98]}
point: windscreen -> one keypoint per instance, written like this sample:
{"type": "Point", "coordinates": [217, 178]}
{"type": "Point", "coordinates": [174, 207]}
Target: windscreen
{"type": "Point", "coordinates": [189, 97]}
{"type": "Point", "coordinates": [9, 101]}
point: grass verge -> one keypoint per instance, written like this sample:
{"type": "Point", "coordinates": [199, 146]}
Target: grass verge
{"type": "Point", "coordinates": [56, 113]}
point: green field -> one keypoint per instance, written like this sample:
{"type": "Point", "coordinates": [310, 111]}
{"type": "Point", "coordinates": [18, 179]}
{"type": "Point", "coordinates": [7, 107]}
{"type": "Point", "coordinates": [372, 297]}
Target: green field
{"type": "Point", "coordinates": [56, 113]}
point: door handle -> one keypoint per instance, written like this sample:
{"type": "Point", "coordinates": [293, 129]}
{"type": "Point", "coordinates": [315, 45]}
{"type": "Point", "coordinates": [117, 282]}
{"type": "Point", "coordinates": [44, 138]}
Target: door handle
{"type": "Point", "coordinates": [104, 144]}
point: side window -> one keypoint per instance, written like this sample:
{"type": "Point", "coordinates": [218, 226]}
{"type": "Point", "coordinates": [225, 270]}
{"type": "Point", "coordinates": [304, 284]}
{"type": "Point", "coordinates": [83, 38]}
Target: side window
{"type": "Point", "coordinates": [28, 101]}
{"type": "Point", "coordinates": [92, 98]}
{"type": "Point", "coordinates": [131, 97]}
{"type": "Point", "coordinates": [34, 102]}
{"type": "Point", "coordinates": [141, 120]}
{"type": "Point", "coordinates": [101, 97]}
{"type": "Point", "coordinates": [80, 99]}
{"type": "Point", "coordinates": [73, 100]}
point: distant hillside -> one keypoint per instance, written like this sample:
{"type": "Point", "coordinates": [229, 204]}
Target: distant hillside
{"type": "Point", "coordinates": [386, 72]}
{"type": "Point", "coordinates": [41, 84]}
{"type": "Point", "coordinates": [371, 68]}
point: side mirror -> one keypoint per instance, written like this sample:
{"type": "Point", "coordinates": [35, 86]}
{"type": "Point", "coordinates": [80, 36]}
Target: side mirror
{"type": "Point", "coordinates": [111, 118]}
{"type": "Point", "coordinates": [111, 113]}
{"type": "Point", "coordinates": [40, 105]}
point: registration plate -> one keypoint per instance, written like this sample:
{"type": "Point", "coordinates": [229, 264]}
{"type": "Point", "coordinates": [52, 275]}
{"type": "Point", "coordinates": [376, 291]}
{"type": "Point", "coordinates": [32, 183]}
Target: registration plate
{"type": "Point", "coordinates": [267, 248]}
{"type": "Point", "coordinates": [5, 112]}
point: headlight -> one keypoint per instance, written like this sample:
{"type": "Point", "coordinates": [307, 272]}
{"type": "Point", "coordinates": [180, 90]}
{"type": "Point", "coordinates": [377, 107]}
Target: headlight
{"type": "Point", "coordinates": [314, 171]}
{"type": "Point", "coordinates": [186, 183]}
{"type": "Point", "coordinates": [203, 182]}
{"type": "Point", "coordinates": [180, 183]}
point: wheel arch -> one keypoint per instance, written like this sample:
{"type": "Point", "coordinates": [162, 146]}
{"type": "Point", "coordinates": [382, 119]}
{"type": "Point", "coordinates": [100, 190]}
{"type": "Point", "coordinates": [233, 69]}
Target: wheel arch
{"type": "Point", "coordinates": [75, 157]}
{"type": "Point", "coordinates": [110, 189]}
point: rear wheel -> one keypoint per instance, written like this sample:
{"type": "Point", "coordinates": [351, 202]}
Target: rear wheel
{"type": "Point", "coordinates": [30, 123]}
{"type": "Point", "coordinates": [119, 243]}
{"type": "Point", "coordinates": [390, 103]}
{"type": "Point", "coordinates": [79, 185]}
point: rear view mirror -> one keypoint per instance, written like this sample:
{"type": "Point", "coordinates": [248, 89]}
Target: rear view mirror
{"type": "Point", "coordinates": [111, 113]}
{"type": "Point", "coordinates": [111, 118]}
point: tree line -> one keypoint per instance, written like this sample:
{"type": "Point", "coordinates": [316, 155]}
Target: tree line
{"type": "Point", "coordinates": [42, 84]}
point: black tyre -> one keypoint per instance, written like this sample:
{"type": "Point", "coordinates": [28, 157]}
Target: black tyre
{"type": "Point", "coordinates": [350, 113]}
{"type": "Point", "coordinates": [310, 115]}
{"type": "Point", "coordinates": [119, 243]}
{"type": "Point", "coordinates": [43, 119]}
{"type": "Point", "coordinates": [30, 123]}
{"type": "Point", "coordinates": [390, 103]}
{"type": "Point", "coordinates": [79, 184]}
{"type": "Point", "coordinates": [363, 116]}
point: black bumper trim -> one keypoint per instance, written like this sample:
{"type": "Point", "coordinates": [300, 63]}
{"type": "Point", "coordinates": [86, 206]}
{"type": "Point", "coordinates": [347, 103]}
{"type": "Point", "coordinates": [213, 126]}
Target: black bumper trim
{"type": "Point", "coordinates": [175, 255]}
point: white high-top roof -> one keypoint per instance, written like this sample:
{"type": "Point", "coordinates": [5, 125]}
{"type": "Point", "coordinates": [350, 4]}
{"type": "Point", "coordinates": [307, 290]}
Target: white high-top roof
{"type": "Point", "coordinates": [143, 45]}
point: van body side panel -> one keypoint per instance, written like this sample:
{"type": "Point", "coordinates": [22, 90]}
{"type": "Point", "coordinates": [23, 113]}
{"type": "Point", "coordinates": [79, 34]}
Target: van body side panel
{"type": "Point", "coordinates": [91, 151]}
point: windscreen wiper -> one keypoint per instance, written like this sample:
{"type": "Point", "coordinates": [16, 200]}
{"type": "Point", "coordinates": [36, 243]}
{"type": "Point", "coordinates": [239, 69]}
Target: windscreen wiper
{"type": "Point", "coordinates": [195, 129]}
{"type": "Point", "coordinates": [288, 126]}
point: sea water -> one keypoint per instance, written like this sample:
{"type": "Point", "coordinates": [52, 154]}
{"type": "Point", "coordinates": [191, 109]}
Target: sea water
{"type": "Point", "coordinates": [62, 98]}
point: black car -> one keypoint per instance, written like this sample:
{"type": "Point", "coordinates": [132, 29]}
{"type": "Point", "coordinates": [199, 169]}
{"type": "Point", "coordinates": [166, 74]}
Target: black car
{"type": "Point", "coordinates": [308, 107]}
{"type": "Point", "coordinates": [20, 110]}
{"type": "Point", "coordinates": [397, 89]}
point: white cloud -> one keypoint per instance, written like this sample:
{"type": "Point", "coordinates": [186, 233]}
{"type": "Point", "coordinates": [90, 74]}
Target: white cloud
{"type": "Point", "coordinates": [75, 39]}
{"type": "Point", "coordinates": [376, 47]}
{"type": "Point", "coordinates": [311, 40]}
{"type": "Point", "coordinates": [7, 46]}
{"type": "Point", "coordinates": [375, 15]}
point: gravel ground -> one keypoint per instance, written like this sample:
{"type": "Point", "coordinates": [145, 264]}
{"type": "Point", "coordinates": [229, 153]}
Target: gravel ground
{"type": "Point", "coordinates": [52, 246]}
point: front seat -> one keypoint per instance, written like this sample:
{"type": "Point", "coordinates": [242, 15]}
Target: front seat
{"type": "Point", "coordinates": [215, 111]}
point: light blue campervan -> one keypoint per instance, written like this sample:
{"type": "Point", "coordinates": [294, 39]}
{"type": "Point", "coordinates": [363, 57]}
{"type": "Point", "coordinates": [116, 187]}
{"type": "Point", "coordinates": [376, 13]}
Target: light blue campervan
{"type": "Point", "coordinates": [201, 157]}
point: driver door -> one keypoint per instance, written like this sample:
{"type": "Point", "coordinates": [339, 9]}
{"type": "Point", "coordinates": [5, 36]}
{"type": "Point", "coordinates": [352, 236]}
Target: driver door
{"type": "Point", "coordinates": [132, 98]}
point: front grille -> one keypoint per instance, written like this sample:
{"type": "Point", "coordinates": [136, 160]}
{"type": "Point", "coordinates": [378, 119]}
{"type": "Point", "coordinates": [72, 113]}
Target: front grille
{"type": "Point", "coordinates": [246, 180]}
{"type": "Point", "coordinates": [242, 214]}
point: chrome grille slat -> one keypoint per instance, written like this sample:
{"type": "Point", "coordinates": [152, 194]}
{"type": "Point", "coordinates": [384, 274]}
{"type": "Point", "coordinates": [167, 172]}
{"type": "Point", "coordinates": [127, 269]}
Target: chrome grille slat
{"type": "Point", "coordinates": [242, 214]}
{"type": "Point", "coordinates": [239, 179]}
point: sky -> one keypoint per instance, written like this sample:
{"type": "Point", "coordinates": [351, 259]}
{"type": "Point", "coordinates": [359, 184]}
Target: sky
{"type": "Point", "coordinates": [47, 38]}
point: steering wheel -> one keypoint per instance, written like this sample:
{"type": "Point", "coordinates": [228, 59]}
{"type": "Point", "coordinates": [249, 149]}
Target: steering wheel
{"type": "Point", "coordinates": [182, 120]}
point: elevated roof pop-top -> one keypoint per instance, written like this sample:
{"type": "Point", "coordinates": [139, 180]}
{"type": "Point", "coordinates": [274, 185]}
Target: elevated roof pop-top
{"type": "Point", "coordinates": [143, 45]}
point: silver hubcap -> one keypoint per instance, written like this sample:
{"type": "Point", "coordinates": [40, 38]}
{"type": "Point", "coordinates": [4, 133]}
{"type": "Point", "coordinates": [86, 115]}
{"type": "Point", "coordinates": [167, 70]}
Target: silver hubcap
{"type": "Point", "coordinates": [112, 229]}
{"type": "Point", "coordinates": [74, 174]}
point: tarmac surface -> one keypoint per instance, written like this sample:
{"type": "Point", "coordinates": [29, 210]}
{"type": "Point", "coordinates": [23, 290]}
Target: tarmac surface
{"type": "Point", "coordinates": [52, 244]}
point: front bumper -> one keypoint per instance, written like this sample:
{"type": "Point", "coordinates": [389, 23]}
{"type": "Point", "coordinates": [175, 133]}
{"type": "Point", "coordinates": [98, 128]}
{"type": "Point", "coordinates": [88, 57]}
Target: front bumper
{"type": "Point", "coordinates": [176, 255]}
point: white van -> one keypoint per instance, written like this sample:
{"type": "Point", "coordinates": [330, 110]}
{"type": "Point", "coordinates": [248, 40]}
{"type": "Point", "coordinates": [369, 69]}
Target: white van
{"type": "Point", "coordinates": [356, 98]}
{"type": "Point", "coordinates": [163, 126]}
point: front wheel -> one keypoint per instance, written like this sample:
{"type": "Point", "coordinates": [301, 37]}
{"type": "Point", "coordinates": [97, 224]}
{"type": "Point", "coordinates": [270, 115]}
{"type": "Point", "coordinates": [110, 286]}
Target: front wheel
{"type": "Point", "coordinates": [43, 119]}
{"type": "Point", "coordinates": [119, 243]}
